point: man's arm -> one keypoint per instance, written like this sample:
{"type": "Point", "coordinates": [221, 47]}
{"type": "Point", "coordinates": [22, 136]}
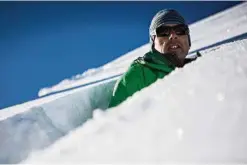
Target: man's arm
{"type": "Point", "coordinates": [127, 85]}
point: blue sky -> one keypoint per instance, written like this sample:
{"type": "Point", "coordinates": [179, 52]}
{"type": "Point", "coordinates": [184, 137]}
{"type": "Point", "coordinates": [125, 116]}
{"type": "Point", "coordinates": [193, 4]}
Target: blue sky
{"type": "Point", "coordinates": [42, 43]}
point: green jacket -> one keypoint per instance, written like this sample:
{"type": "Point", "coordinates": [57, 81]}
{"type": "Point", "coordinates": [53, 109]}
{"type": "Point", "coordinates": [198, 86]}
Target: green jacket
{"type": "Point", "coordinates": [141, 73]}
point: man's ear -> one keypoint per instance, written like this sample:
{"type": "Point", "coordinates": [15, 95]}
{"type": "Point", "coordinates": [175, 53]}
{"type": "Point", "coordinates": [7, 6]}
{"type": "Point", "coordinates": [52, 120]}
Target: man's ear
{"type": "Point", "coordinates": [189, 40]}
{"type": "Point", "coordinates": [152, 41]}
{"type": "Point", "coordinates": [153, 38]}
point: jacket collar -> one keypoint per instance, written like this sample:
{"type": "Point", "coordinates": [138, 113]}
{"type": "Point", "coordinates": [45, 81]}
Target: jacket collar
{"type": "Point", "coordinates": [159, 58]}
{"type": "Point", "coordinates": [156, 61]}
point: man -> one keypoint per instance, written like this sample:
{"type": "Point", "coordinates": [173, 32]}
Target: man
{"type": "Point", "coordinates": [170, 40]}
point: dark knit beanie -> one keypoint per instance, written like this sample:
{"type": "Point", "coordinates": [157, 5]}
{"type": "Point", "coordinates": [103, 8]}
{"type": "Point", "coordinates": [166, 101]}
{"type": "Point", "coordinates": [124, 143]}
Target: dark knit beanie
{"type": "Point", "coordinates": [163, 17]}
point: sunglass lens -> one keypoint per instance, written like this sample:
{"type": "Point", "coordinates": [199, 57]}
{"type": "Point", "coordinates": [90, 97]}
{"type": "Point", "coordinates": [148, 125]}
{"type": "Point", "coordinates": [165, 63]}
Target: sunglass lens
{"type": "Point", "coordinates": [163, 31]}
{"type": "Point", "coordinates": [181, 30]}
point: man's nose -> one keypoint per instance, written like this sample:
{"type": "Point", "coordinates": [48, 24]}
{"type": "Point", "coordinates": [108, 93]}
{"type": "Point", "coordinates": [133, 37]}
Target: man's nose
{"type": "Point", "coordinates": [173, 35]}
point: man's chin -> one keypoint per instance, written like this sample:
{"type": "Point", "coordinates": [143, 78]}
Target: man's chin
{"type": "Point", "coordinates": [175, 59]}
{"type": "Point", "coordinates": [178, 55]}
{"type": "Point", "coordinates": [175, 53]}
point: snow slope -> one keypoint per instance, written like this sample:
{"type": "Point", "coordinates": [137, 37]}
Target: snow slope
{"type": "Point", "coordinates": [39, 123]}
{"type": "Point", "coordinates": [195, 115]}
{"type": "Point", "coordinates": [40, 126]}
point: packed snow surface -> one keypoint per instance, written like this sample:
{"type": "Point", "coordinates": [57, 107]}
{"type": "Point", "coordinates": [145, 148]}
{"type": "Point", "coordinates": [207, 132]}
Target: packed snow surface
{"type": "Point", "coordinates": [195, 115]}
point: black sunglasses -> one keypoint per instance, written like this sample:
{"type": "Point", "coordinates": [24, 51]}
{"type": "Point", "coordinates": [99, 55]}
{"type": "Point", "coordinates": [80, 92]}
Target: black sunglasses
{"type": "Point", "coordinates": [165, 31]}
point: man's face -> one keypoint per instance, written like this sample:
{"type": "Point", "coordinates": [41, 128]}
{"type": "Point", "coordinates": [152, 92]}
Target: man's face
{"type": "Point", "coordinates": [172, 43]}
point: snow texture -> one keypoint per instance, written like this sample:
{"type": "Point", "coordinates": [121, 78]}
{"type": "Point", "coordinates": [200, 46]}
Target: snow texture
{"type": "Point", "coordinates": [195, 115]}
{"type": "Point", "coordinates": [40, 126]}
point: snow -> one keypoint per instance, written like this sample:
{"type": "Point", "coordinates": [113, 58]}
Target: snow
{"type": "Point", "coordinates": [40, 126]}
{"type": "Point", "coordinates": [199, 116]}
